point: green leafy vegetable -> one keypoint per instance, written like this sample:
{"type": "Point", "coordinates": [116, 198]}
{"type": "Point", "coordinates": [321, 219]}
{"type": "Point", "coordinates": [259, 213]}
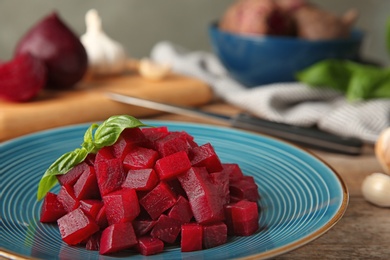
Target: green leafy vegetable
{"type": "Point", "coordinates": [95, 138]}
{"type": "Point", "coordinates": [388, 35]}
{"type": "Point", "coordinates": [357, 81]}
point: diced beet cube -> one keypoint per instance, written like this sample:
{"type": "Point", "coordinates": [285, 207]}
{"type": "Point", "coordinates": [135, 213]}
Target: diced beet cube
{"type": "Point", "coordinates": [117, 237]}
{"type": "Point", "coordinates": [149, 245]}
{"type": "Point", "coordinates": [214, 235]}
{"type": "Point", "coordinates": [129, 138]}
{"type": "Point", "coordinates": [172, 143]}
{"type": "Point", "coordinates": [76, 226]}
{"type": "Point", "coordinates": [172, 165]}
{"type": "Point", "coordinates": [121, 205]}
{"type": "Point", "coordinates": [90, 159]}
{"type": "Point", "coordinates": [101, 218]}
{"type": "Point", "coordinates": [86, 186]}
{"type": "Point", "coordinates": [135, 137]}
{"type": "Point", "coordinates": [221, 182]}
{"type": "Point", "coordinates": [202, 194]}
{"type": "Point", "coordinates": [142, 227]}
{"type": "Point", "coordinates": [72, 176]}
{"type": "Point", "coordinates": [233, 170]}
{"type": "Point", "coordinates": [167, 229]}
{"type": "Point", "coordinates": [244, 188]}
{"type": "Point", "coordinates": [51, 209]}
{"type": "Point", "coordinates": [104, 154]}
{"type": "Point", "coordinates": [93, 242]}
{"type": "Point", "coordinates": [140, 158]}
{"type": "Point", "coordinates": [205, 156]}
{"type": "Point", "coordinates": [181, 211]}
{"type": "Point", "coordinates": [191, 237]}
{"type": "Point", "coordinates": [110, 175]}
{"type": "Point", "coordinates": [91, 207]}
{"type": "Point", "coordinates": [242, 218]}
{"type": "Point", "coordinates": [176, 187]}
{"type": "Point", "coordinates": [154, 133]}
{"type": "Point", "coordinates": [142, 179]}
{"type": "Point", "coordinates": [67, 198]}
{"type": "Point", "coordinates": [158, 200]}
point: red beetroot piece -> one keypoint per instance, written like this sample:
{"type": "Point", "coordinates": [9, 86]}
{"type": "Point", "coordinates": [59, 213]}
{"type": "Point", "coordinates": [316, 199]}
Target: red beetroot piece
{"type": "Point", "coordinates": [242, 218]}
{"type": "Point", "coordinates": [172, 143]}
{"type": "Point", "coordinates": [221, 182]}
{"type": "Point", "coordinates": [233, 170]}
{"type": "Point", "coordinates": [204, 197]}
{"type": "Point", "coordinates": [73, 175]}
{"type": "Point", "coordinates": [86, 186]}
{"type": "Point", "coordinates": [244, 188]}
{"type": "Point", "coordinates": [121, 205]}
{"type": "Point", "coordinates": [51, 209]}
{"type": "Point", "coordinates": [110, 175]}
{"type": "Point", "coordinates": [59, 48]}
{"type": "Point", "coordinates": [93, 242]}
{"type": "Point", "coordinates": [181, 211]}
{"type": "Point", "coordinates": [117, 237]}
{"type": "Point", "coordinates": [135, 136]}
{"type": "Point", "coordinates": [91, 207]}
{"type": "Point", "coordinates": [158, 200]}
{"type": "Point", "coordinates": [154, 133]}
{"type": "Point", "coordinates": [205, 156]}
{"type": "Point", "coordinates": [76, 226]}
{"type": "Point", "coordinates": [101, 218]}
{"type": "Point", "coordinates": [67, 198]}
{"type": "Point", "coordinates": [172, 165]}
{"type": "Point", "coordinates": [191, 237]}
{"type": "Point", "coordinates": [104, 154]}
{"type": "Point", "coordinates": [167, 229]}
{"type": "Point", "coordinates": [142, 179]}
{"type": "Point", "coordinates": [149, 245]}
{"type": "Point", "coordinates": [140, 158]}
{"type": "Point", "coordinates": [142, 227]}
{"type": "Point", "coordinates": [22, 78]}
{"type": "Point", "coordinates": [214, 234]}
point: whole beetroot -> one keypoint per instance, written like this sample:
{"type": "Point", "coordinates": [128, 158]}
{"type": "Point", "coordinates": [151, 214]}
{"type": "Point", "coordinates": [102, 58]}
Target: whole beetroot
{"type": "Point", "coordinates": [256, 17]}
{"type": "Point", "coordinates": [59, 48]}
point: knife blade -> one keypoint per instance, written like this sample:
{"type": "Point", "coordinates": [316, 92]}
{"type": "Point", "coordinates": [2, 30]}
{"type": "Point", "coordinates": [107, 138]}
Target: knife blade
{"type": "Point", "coordinates": [305, 136]}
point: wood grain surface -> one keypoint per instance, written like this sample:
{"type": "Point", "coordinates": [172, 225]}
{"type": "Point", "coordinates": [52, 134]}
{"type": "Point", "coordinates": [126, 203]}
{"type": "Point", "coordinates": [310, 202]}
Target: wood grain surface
{"type": "Point", "coordinates": [88, 102]}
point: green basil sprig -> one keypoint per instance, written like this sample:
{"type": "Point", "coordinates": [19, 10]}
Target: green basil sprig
{"type": "Point", "coordinates": [357, 81]}
{"type": "Point", "coordinates": [96, 137]}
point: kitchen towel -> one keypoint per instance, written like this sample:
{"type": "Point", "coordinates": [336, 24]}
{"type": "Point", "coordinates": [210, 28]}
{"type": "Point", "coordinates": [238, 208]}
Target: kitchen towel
{"type": "Point", "coordinates": [293, 102]}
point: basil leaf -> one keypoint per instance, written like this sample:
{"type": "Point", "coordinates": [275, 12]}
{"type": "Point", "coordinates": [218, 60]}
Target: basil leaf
{"type": "Point", "coordinates": [388, 35]}
{"type": "Point", "coordinates": [108, 132]}
{"type": "Point", "coordinates": [357, 81]}
{"type": "Point", "coordinates": [88, 143]}
{"type": "Point", "coordinates": [327, 73]}
{"type": "Point", "coordinates": [105, 135]}
{"type": "Point", "coordinates": [61, 166]}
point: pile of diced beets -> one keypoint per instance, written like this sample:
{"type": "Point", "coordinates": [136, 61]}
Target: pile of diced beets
{"type": "Point", "coordinates": [153, 188]}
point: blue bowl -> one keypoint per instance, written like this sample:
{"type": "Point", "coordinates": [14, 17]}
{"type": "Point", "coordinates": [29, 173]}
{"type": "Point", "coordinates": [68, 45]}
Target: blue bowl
{"type": "Point", "coordinates": [259, 60]}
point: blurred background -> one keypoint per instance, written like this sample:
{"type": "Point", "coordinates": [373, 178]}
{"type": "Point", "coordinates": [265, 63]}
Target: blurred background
{"type": "Point", "coordinates": [139, 24]}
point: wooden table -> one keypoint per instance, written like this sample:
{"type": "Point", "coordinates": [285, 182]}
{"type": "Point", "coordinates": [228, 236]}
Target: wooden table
{"type": "Point", "coordinates": [364, 230]}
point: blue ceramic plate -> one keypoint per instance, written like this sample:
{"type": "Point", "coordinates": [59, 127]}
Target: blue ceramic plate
{"type": "Point", "coordinates": [302, 197]}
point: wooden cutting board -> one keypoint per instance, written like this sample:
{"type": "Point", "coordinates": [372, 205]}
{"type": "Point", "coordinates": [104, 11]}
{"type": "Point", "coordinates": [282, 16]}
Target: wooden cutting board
{"type": "Point", "coordinates": [87, 102]}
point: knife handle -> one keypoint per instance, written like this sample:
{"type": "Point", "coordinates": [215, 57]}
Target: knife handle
{"type": "Point", "coordinates": [308, 137]}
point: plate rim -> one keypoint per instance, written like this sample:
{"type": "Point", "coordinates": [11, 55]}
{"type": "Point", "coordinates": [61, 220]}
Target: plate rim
{"type": "Point", "coordinates": [263, 255]}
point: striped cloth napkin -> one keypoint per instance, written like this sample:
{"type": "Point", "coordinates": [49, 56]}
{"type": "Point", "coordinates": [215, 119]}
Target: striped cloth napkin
{"type": "Point", "coordinates": [293, 103]}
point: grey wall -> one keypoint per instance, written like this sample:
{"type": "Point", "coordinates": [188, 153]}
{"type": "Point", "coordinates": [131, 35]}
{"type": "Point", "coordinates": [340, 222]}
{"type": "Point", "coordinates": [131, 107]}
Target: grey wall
{"type": "Point", "coordinates": [139, 24]}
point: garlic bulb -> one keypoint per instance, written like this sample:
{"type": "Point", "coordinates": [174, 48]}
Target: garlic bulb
{"type": "Point", "coordinates": [105, 56]}
{"type": "Point", "coordinates": [376, 189]}
{"type": "Point", "coordinates": [382, 150]}
{"type": "Point", "coordinates": [152, 70]}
